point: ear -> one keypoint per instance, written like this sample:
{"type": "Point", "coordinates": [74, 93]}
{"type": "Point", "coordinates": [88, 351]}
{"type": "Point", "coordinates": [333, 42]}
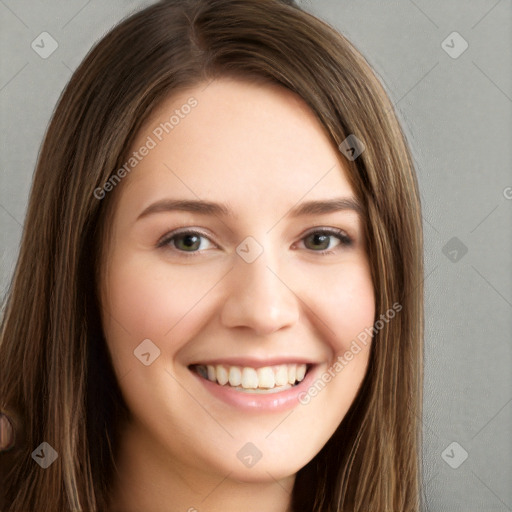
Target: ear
{"type": "Point", "coordinates": [6, 432]}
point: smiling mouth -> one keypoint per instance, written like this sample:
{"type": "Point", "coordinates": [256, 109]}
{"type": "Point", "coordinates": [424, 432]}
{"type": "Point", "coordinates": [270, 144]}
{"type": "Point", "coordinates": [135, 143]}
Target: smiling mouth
{"type": "Point", "coordinates": [267, 379]}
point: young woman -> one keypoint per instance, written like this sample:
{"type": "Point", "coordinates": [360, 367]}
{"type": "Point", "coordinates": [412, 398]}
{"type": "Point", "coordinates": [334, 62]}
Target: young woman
{"type": "Point", "coordinates": [218, 299]}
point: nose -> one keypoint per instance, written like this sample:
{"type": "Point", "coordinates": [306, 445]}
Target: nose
{"type": "Point", "coordinates": [259, 298]}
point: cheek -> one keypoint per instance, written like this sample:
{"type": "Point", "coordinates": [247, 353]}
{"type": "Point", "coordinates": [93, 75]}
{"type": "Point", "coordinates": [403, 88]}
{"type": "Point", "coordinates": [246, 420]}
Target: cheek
{"type": "Point", "coordinates": [346, 307]}
{"type": "Point", "coordinates": [145, 300]}
{"type": "Point", "coordinates": [344, 301]}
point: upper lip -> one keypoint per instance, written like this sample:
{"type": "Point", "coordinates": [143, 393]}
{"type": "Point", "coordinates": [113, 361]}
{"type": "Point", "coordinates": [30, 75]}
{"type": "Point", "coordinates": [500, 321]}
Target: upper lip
{"type": "Point", "coordinates": [255, 362]}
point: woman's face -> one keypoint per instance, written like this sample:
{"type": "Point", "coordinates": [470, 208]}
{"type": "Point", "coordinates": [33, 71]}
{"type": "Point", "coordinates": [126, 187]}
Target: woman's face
{"type": "Point", "coordinates": [242, 280]}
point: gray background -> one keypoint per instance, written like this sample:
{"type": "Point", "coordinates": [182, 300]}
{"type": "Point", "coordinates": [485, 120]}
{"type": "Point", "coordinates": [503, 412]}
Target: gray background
{"type": "Point", "coordinates": [456, 113]}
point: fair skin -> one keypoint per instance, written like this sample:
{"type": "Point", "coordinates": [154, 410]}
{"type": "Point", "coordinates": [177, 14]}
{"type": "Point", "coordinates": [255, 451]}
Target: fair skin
{"type": "Point", "coordinates": [260, 151]}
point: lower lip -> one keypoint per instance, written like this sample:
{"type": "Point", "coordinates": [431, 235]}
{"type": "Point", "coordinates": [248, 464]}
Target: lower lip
{"type": "Point", "coordinates": [273, 402]}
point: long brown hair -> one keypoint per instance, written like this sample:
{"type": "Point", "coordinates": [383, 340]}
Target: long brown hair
{"type": "Point", "coordinates": [58, 381]}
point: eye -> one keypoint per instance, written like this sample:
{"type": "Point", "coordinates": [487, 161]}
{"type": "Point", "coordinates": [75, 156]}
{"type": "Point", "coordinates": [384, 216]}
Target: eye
{"type": "Point", "coordinates": [321, 238]}
{"type": "Point", "coordinates": [189, 242]}
{"type": "Point", "coordinates": [184, 241]}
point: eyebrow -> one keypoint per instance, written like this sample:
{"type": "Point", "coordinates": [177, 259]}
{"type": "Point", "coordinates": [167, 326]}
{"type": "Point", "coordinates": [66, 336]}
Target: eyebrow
{"type": "Point", "coordinates": [219, 209]}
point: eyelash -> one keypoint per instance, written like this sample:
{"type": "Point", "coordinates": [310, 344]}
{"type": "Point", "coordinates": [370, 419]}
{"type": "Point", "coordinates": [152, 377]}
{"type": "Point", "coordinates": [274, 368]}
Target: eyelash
{"type": "Point", "coordinates": [345, 240]}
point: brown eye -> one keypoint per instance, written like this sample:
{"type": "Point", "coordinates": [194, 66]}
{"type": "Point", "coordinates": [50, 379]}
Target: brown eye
{"type": "Point", "coordinates": [184, 241]}
{"type": "Point", "coordinates": [187, 242]}
{"type": "Point", "coordinates": [320, 240]}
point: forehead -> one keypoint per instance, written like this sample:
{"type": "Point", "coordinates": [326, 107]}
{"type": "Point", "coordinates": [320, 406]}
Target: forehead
{"type": "Point", "coordinates": [242, 143]}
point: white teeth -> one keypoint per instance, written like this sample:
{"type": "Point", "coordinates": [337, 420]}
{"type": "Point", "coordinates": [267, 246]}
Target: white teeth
{"type": "Point", "coordinates": [292, 374]}
{"type": "Point", "coordinates": [282, 375]}
{"type": "Point", "coordinates": [301, 372]}
{"type": "Point", "coordinates": [247, 378]}
{"type": "Point", "coordinates": [266, 377]}
{"type": "Point", "coordinates": [235, 376]}
{"type": "Point", "coordinates": [222, 375]}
